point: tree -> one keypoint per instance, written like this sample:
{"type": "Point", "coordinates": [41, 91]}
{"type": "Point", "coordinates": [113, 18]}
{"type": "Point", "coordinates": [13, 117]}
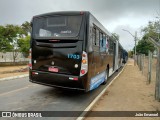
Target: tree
{"type": "Point", "coordinates": [4, 43]}
{"type": "Point", "coordinates": [15, 38]}
{"type": "Point", "coordinates": [24, 41]}
{"type": "Point", "coordinates": [151, 30]}
{"type": "Point", "coordinates": [130, 54]}
{"type": "Point", "coordinates": [26, 26]}
{"type": "Point", "coordinates": [24, 45]}
{"type": "Point", "coordinates": [144, 46]}
{"type": "Point", "coordinates": [12, 33]}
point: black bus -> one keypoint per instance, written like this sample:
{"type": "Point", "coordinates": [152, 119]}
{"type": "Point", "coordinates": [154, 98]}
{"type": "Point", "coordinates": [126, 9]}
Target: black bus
{"type": "Point", "coordinates": [125, 56]}
{"type": "Point", "coordinates": [71, 50]}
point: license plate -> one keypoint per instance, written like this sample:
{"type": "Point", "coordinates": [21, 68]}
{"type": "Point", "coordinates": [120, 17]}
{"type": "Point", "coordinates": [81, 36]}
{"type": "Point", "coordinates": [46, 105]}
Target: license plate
{"type": "Point", "coordinates": [52, 69]}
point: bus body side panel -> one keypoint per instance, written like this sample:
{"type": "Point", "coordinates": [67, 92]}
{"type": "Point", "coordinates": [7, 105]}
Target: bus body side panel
{"type": "Point", "coordinates": [120, 55]}
{"type": "Point", "coordinates": [97, 62]}
{"type": "Point", "coordinates": [116, 56]}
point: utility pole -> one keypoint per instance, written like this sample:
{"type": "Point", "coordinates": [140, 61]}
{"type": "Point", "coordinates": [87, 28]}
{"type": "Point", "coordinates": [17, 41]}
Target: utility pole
{"type": "Point", "coordinates": [135, 39]}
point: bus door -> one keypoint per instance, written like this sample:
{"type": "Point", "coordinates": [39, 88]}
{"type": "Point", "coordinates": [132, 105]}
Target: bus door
{"type": "Point", "coordinates": [114, 55]}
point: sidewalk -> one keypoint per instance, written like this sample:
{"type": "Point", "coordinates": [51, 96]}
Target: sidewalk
{"type": "Point", "coordinates": [129, 92]}
{"type": "Point", "coordinates": [11, 71]}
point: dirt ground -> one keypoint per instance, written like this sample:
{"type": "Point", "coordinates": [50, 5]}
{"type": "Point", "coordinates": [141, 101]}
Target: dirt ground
{"type": "Point", "coordinates": [129, 92]}
{"type": "Point", "coordinates": [9, 71]}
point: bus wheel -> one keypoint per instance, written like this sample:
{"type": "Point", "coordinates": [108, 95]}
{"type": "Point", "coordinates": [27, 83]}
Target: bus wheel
{"type": "Point", "coordinates": [106, 77]}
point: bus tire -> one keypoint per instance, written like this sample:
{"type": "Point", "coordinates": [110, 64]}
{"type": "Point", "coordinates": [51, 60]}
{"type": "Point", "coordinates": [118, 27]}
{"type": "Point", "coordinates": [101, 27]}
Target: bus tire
{"type": "Point", "coordinates": [106, 77]}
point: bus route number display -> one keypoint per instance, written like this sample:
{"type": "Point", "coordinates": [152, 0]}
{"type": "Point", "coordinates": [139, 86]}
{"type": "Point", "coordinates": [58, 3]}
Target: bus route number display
{"type": "Point", "coordinates": [73, 56]}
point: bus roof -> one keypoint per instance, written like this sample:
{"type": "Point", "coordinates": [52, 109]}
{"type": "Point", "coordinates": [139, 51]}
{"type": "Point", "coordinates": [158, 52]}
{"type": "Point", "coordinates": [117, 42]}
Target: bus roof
{"type": "Point", "coordinates": [62, 13]}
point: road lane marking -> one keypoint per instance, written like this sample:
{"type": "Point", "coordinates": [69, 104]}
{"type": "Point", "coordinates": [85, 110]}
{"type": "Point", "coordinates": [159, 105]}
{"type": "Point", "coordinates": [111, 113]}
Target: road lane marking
{"type": "Point", "coordinates": [18, 109]}
{"type": "Point", "coordinates": [17, 90]}
{"type": "Point", "coordinates": [82, 116]}
{"type": "Point", "coordinates": [12, 103]}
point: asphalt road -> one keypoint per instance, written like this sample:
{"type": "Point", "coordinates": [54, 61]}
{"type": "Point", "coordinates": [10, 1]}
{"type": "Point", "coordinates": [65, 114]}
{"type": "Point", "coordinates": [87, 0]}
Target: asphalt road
{"type": "Point", "coordinates": [22, 95]}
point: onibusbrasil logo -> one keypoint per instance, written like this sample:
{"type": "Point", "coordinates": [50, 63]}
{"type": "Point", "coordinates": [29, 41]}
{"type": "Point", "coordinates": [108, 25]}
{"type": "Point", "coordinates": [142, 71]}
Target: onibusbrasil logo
{"type": "Point", "coordinates": [21, 114]}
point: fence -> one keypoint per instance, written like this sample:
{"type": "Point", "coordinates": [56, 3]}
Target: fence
{"type": "Point", "coordinates": [150, 67]}
{"type": "Point", "coordinates": [8, 57]}
{"type": "Point", "coordinates": [147, 65]}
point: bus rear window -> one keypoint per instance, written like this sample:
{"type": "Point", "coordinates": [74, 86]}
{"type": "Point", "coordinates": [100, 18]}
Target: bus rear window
{"type": "Point", "coordinates": [57, 26]}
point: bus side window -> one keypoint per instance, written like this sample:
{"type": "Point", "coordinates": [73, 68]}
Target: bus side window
{"type": "Point", "coordinates": [102, 43]}
{"type": "Point", "coordinates": [94, 36]}
{"type": "Point", "coordinates": [97, 37]}
{"type": "Point", "coordinates": [107, 43]}
{"type": "Point", "coordinates": [101, 39]}
{"type": "Point", "coordinates": [110, 45]}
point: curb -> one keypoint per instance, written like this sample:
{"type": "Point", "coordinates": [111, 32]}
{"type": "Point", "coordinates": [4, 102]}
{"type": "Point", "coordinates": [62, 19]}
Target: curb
{"type": "Point", "coordinates": [82, 116]}
{"type": "Point", "coordinates": [14, 77]}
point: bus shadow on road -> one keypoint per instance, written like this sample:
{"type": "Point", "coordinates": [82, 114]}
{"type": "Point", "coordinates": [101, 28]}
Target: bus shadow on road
{"type": "Point", "coordinates": [62, 92]}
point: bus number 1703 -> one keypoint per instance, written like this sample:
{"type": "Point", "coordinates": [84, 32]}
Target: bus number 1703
{"type": "Point", "coordinates": [73, 56]}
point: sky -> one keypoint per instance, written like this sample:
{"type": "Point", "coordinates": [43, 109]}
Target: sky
{"type": "Point", "coordinates": [115, 15]}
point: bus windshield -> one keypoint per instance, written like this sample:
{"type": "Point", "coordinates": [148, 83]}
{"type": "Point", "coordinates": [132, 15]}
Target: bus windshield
{"type": "Point", "coordinates": [56, 26]}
